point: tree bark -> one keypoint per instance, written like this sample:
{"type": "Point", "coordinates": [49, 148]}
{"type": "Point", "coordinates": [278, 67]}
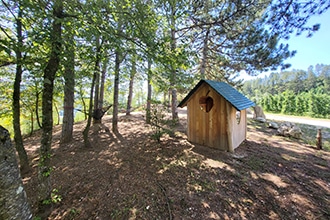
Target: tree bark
{"type": "Point", "coordinates": [24, 161]}
{"type": "Point", "coordinates": [13, 200]}
{"type": "Point", "coordinates": [44, 189]}
{"type": "Point", "coordinates": [204, 54]}
{"type": "Point", "coordinates": [37, 108]}
{"type": "Point", "coordinates": [57, 114]}
{"type": "Point", "coordinates": [149, 93]}
{"type": "Point", "coordinates": [90, 108]}
{"type": "Point", "coordinates": [81, 93]}
{"type": "Point", "coordinates": [174, 102]}
{"type": "Point", "coordinates": [31, 119]}
{"type": "Point", "coordinates": [116, 93]}
{"type": "Point", "coordinates": [69, 78]}
{"type": "Point", "coordinates": [97, 81]}
{"type": "Point", "coordinates": [131, 84]}
{"type": "Point", "coordinates": [104, 72]}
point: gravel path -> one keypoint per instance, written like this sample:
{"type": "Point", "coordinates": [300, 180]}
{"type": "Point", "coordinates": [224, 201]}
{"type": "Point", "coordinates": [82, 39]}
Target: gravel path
{"type": "Point", "coordinates": [301, 120]}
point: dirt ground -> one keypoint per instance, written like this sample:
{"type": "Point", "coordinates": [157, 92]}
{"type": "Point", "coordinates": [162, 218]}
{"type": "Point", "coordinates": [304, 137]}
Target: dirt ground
{"type": "Point", "coordinates": [130, 176]}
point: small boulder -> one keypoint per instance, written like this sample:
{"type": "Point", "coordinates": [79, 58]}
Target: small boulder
{"type": "Point", "coordinates": [260, 119]}
{"type": "Point", "coordinates": [295, 132]}
{"type": "Point", "coordinates": [272, 124]}
{"type": "Point", "coordinates": [289, 129]}
{"type": "Point", "coordinates": [258, 112]}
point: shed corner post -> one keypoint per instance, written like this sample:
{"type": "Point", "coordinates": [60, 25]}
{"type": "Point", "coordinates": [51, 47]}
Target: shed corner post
{"type": "Point", "coordinates": [229, 128]}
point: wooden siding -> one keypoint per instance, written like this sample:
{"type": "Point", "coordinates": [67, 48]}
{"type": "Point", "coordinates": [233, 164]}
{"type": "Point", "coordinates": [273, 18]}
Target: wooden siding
{"type": "Point", "coordinates": [238, 129]}
{"type": "Point", "coordinates": [211, 128]}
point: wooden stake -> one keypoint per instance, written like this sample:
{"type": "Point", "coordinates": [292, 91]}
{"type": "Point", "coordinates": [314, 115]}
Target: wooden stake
{"type": "Point", "coordinates": [319, 139]}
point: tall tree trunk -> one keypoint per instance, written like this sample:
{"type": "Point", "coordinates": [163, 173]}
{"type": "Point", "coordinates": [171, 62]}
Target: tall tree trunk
{"type": "Point", "coordinates": [148, 113]}
{"type": "Point", "coordinates": [13, 200]}
{"type": "Point", "coordinates": [103, 74]}
{"type": "Point", "coordinates": [57, 114]}
{"type": "Point", "coordinates": [24, 162]}
{"type": "Point", "coordinates": [116, 93]}
{"type": "Point", "coordinates": [173, 77]}
{"type": "Point", "coordinates": [69, 78]}
{"type": "Point", "coordinates": [47, 104]}
{"type": "Point", "coordinates": [90, 108]}
{"type": "Point", "coordinates": [84, 110]}
{"type": "Point", "coordinates": [131, 83]}
{"type": "Point", "coordinates": [205, 49]}
{"type": "Point", "coordinates": [97, 83]}
{"type": "Point", "coordinates": [32, 123]}
{"type": "Point", "coordinates": [37, 108]}
{"type": "Point", "coordinates": [204, 54]}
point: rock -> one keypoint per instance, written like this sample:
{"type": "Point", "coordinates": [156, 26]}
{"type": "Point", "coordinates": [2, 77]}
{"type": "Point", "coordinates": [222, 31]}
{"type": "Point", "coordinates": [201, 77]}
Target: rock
{"type": "Point", "coordinates": [282, 130]}
{"type": "Point", "coordinates": [258, 112]}
{"type": "Point", "coordinates": [289, 129]}
{"type": "Point", "coordinates": [260, 119]}
{"type": "Point", "coordinates": [13, 199]}
{"type": "Point", "coordinates": [274, 125]}
{"type": "Point", "coordinates": [295, 132]}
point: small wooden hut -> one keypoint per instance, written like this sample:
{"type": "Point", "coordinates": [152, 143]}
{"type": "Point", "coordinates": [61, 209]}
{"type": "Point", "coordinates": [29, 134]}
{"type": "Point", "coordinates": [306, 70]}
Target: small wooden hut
{"type": "Point", "coordinates": [216, 114]}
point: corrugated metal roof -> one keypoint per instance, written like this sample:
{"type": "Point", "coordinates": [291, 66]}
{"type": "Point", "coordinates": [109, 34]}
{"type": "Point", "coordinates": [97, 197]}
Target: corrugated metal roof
{"type": "Point", "coordinates": [237, 99]}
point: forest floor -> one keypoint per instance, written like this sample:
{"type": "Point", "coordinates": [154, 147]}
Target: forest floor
{"type": "Point", "coordinates": [130, 176]}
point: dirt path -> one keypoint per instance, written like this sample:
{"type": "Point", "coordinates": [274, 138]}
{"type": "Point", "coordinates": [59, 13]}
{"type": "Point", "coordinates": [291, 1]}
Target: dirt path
{"type": "Point", "coordinates": [298, 119]}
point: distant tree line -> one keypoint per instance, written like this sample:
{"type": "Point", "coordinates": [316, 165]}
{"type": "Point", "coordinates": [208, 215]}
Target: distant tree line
{"type": "Point", "coordinates": [295, 92]}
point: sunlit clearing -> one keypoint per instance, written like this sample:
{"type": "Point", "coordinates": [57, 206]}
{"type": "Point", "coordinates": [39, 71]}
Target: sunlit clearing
{"type": "Point", "coordinates": [217, 164]}
{"type": "Point", "coordinates": [273, 178]}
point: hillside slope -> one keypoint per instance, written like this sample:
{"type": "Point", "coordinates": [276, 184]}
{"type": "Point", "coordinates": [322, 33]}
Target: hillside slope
{"type": "Point", "coordinates": [130, 176]}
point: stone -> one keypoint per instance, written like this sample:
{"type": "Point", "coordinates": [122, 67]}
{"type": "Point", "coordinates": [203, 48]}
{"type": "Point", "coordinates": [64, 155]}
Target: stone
{"type": "Point", "coordinates": [260, 119]}
{"type": "Point", "coordinates": [289, 129]}
{"type": "Point", "coordinates": [258, 112]}
{"type": "Point", "coordinates": [295, 132]}
{"type": "Point", "coordinates": [272, 124]}
{"type": "Point", "coordinates": [13, 199]}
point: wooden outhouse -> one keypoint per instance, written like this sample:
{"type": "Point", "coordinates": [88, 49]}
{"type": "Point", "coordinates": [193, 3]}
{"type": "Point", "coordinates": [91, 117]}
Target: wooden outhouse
{"type": "Point", "coordinates": [216, 114]}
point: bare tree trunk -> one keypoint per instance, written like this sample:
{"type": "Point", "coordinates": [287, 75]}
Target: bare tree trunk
{"type": "Point", "coordinates": [131, 83]}
{"type": "Point", "coordinates": [81, 93]}
{"type": "Point", "coordinates": [24, 162]}
{"type": "Point", "coordinates": [69, 78]}
{"type": "Point", "coordinates": [204, 54]}
{"type": "Point", "coordinates": [32, 123]}
{"type": "Point", "coordinates": [44, 189]}
{"type": "Point", "coordinates": [205, 45]}
{"type": "Point", "coordinates": [104, 72]}
{"type": "Point", "coordinates": [57, 114]}
{"type": "Point", "coordinates": [90, 109]}
{"type": "Point", "coordinates": [148, 113]}
{"type": "Point", "coordinates": [97, 83]}
{"type": "Point", "coordinates": [37, 108]}
{"type": "Point", "coordinates": [13, 200]}
{"type": "Point", "coordinates": [173, 77]}
{"type": "Point", "coordinates": [116, 93]}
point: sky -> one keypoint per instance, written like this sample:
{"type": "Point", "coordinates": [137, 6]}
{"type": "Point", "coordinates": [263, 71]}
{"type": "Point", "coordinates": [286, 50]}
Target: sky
{"type": "Point", "coordinates": [310, 51]}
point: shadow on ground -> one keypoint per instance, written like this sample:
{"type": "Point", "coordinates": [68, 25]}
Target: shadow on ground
{"type": "Point", "coordinates": [129, 176]}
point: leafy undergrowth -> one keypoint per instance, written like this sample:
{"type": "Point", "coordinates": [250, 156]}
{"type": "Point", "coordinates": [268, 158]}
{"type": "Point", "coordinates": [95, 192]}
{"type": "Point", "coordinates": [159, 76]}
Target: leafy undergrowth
{"type": "Point", "coordinates": [130, 176]}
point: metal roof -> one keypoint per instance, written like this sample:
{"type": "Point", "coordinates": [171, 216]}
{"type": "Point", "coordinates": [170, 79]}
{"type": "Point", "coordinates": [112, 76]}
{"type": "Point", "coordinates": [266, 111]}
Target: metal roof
{"type": "Point", "coordinates": [234, 97]}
